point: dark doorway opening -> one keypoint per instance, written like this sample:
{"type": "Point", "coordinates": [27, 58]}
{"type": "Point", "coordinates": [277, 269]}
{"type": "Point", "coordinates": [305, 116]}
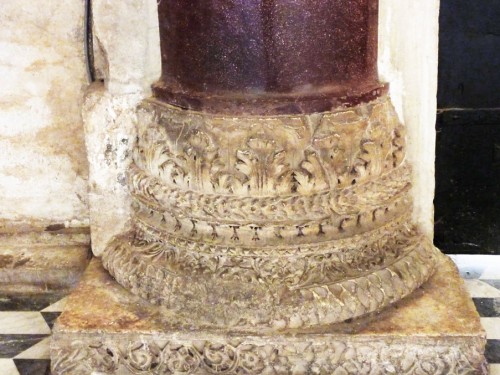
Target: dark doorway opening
{"type": "Point", "coordinates": [467, 202]}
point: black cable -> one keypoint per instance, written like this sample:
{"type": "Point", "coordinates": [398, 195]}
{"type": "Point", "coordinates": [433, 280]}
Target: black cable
{"type": "Point", "coordinates": [89, 51]}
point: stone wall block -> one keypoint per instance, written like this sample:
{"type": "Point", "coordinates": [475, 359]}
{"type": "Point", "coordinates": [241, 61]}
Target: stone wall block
{"type": "Point", "coordinates": [127, 36]}
{"type": "Point", "coordinates": [408, 59]}
{"type": "Point", "coordinates": [110, 136]}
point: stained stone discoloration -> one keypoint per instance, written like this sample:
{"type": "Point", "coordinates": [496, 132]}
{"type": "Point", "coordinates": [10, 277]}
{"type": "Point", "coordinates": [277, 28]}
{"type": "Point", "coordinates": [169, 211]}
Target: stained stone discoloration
{"type": "Point", "coordinates": [36, 261]}
{"type": "Point", "coordinates": [435, 328]}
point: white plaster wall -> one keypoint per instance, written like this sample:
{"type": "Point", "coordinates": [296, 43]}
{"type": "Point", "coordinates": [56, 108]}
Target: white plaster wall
{"type": "Point", "coordinates": [408, 59]}
{"type": "Point", "coordinates": [43, 166]}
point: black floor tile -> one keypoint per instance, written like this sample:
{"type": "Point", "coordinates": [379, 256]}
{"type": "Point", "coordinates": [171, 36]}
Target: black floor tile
{"type": "Point", "coordinates": [488, 307]}
{"type": "Point", "coordinates": [34, 302]}
{"type": "Point", "coordinates": [50, 317]}
{"type": "Point", "coordinates": [33, 366]}
{"type": "Point", "coordinates": [493, 351]}
{"type": "Point", "coordinates": [12, 345]}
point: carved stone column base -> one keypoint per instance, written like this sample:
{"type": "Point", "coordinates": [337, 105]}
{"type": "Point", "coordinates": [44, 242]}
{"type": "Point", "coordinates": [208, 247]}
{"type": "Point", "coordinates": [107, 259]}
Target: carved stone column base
{"type": "Point", "coordinates": [217, 302]}
{"type": "Point", "coordinates": [107, 330]}
{"type": "Point", "coordinates": [271, 222]}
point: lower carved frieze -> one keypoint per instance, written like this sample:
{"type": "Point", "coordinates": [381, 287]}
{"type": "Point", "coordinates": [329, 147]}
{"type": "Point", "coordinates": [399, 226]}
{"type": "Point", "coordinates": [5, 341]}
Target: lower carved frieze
{"type": "Point", "coordinates": [238, 228]}
{"type": "Point", "coordinates": [150, 191]}
{"type": "Point", "coordinates": [234, 301]}
{"type": "Point", "coordinates": [312, 355]}
{"type": "Point", "coordinates": [294, 266]}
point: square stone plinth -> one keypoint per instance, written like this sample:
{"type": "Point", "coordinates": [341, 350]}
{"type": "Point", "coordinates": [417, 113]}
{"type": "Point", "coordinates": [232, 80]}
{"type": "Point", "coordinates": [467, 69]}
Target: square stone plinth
{"type": "Point", "coordinates": [107, 330]}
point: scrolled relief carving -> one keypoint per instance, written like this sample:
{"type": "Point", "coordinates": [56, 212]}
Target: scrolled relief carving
{"type": "Point", "coordinates": [297, 266]}
{"type": "Point", "coordinates": [171, 356]}
{"type": "Point", "coordinates": [268, 156]}
{"type": "Point", "coordinates": [150, 191]}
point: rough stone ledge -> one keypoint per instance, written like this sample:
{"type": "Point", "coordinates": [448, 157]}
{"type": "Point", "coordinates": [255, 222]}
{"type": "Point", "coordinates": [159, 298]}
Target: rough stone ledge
{"type": "Point", "coordinates": [107, 330]}
{"type": "Point", "coordinates": [38, 261]}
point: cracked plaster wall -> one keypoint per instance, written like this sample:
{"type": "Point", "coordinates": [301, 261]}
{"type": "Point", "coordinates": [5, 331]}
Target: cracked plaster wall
{"type": "Point", "coordinates": [43, 164]}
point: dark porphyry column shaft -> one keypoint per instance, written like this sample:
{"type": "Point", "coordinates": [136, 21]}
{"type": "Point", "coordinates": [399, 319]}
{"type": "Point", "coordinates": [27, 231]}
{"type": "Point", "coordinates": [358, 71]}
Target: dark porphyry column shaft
{"type": "Point", "coordinates": [268, 56]}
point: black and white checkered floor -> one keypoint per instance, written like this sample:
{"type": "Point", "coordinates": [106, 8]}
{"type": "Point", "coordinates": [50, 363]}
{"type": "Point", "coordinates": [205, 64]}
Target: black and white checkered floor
{"type": "Point", "coordinates": [25, 322]}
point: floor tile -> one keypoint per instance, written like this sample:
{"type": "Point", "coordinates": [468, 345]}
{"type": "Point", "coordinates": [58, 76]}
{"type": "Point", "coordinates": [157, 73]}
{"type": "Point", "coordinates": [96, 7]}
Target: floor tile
{"type": "Point", "coordinates": [494, 369]}
{"type": "Point", "coordinates": [22, 322]}
{"type": "Point", "coordinates": [492, 271]}
{"type": "Point", "coordinates": [33, 366]}
{"type": "Point", "coordinates": [493, 351]}
{"type": "Point", "coordinates": [58, 306]}
{"type": "Point", "coordinates": [8, 367]}
{"type": "Point", "coordinates": [50, 317]}
{"type": "Point", "coordinates": [481, 289]}
{"type": "Point", "coordinates": [494, 283]}
{"type": "Point", "coordinates": [37, 351]}
{"type": "Point", "coordinates": [488, 307]}
{"type": "Point", "coordinates": [12, 345]}
{"type": "Point", "coordinates": [29, 302]}
{"type": "Point", "coordinates": [492, 328]}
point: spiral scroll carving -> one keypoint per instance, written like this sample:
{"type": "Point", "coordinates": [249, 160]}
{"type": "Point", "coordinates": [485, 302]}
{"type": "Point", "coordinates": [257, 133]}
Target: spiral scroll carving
{"type": "Point", "coordinates": [170, 356]}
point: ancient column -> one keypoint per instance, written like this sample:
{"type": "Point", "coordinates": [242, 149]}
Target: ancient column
{"type": "Point", "coordinates": [272, 227]}
{"type": "Point", "coordinates": [269, 183]}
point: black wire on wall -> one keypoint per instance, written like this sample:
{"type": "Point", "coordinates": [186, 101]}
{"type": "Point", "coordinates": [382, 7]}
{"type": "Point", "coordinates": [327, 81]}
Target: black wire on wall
{"type": "Point", "coordinates": [89, 54]}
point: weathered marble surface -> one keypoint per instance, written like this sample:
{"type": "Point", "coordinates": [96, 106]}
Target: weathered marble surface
{"type": "Point", "coordinates": [43, 165]}
{"type": "Point", "coordinates": [127, 56]}
{"type": "Point", "coordinates": [37, 261]}
{"type": "Point", "coordinates": [107, 329]}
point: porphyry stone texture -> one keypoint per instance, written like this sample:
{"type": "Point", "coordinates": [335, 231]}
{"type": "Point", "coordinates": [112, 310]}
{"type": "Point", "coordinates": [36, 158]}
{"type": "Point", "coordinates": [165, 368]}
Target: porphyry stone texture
{"type": "Point", "coordinates": [107, 330]}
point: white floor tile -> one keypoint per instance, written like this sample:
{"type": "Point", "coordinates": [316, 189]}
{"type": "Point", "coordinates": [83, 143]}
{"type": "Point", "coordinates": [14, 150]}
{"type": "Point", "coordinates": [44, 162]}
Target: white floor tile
{"type": "Point", "coordinates": [7, 367]}
{"type": "Point", "coordinates": [477, 260]}
{"type": "Point", "coordinates": [38, 351]}
{"type": "Point", "coordinates": [23, 322]}
{"type": "Point", "coordinates": [492, 270]}
{"type": "Point", "coordinates": [495, 369]}
{"type": "Point", "coordinates": [492, 328]}
{"type": "Point", "coordinates": [57, 306]}
{"type": "Point", "coordinates": [479, 289]}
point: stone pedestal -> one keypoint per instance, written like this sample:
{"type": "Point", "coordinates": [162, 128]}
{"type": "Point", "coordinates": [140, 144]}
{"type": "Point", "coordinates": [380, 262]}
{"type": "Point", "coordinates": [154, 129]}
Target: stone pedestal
{"type": "Point", "coordinates": [107, 330]}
